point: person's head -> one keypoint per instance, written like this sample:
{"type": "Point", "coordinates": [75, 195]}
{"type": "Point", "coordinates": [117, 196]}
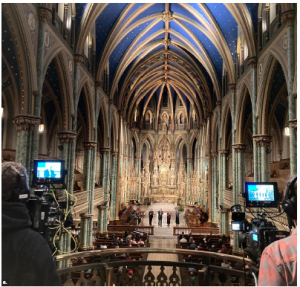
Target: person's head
{"type": "Point", "coordinates": [289, 203]}
{"type": "Point", "coordinates": [118, 237]}
{"type": "Point", "coordinates": [194, 241]}
{"type": "Point", "coordinates": [14, 181]}
{"type": "Point", "coordinates": [151, 209]}
{"type": "Point", "coordinates": [121, 239]}
{"type": "Point", "coordinates": [160, 209]}
{"type": "Point", "coordinates": [213, 246]}
{"type": "Point", "coordinates": [224, 246]}
{"type": "Point", "coordinates": [182, 233]}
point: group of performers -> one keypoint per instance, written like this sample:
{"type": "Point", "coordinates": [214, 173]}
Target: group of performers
{"type": "Point", "coordinates": [160, 214]}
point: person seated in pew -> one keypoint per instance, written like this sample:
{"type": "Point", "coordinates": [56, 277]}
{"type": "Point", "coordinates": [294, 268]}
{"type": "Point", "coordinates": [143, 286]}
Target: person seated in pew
{"type": "Point", "coordinates": [200, 247]}
{"type": "Point", "coordinates": [191, 239]}
{"type": "Point", "coordinates": [224, 249]}
{"type": "Point", "coordinates": [121, 243]}
{"type": "Point", "coordinates": [128, 238]}
{"type": "Point", "coordinates": [224, 239]}
{"type": "Point", "coordinates": [201, 239]}
{"type": "Point", "coordinates": [213, 248]}
{"type": "Point", "coordinates": [106, 236]}
{"type": "Point", "coordinates": [180, 236]}
{"type": "Point", "coordinates": [183, 240]}
{"type": "Point", "coordinates": [116, 240]}
{"type": "Point", "coordinates": [209, 242]}
{"type": "Point", "coordinates": [138, 237]}
{"type": "Point", "coordinates": [193, 246]}
{"type": "Point", "coordinates": [133, 242]}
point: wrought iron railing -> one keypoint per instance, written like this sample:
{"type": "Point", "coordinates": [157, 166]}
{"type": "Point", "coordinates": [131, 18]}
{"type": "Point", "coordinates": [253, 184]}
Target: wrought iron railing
{"type": "Point", "coordinates": [105, 271]}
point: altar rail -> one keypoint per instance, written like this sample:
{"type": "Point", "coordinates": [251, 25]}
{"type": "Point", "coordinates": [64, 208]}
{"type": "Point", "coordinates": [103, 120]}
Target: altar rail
{"type": "Point", "coordinates": [196, 230]}
{"type": "Point", "coordinates": [105, 273]}
{"type": "Point", "coordinates": [146, 229]}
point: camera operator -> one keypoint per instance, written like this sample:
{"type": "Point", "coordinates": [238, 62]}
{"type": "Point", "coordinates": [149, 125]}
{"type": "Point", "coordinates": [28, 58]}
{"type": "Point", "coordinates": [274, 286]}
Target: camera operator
{"type": "Point", "coordinates": [26, 257]}
{"type": "Point", "coordinates": [278, 266]}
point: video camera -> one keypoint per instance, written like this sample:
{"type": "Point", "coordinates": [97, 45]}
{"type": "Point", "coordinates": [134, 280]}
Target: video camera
{"type": "Point", "coordinates": [48, 210]}
{"type": "Point", "coordinates": [259, 233]}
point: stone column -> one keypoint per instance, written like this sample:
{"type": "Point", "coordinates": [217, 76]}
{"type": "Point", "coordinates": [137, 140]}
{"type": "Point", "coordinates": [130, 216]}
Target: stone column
{"type": "Point", "coordinates": [288, 19]}
{"type": "Point", "coordinates": [214, 188]}
{"type": "Point", "coordinates": [26, 126]}
{"type": "Point", "coordinates": [83, 231]}
{"type": "Point", "coordinates": [219, 104]}
{"type": "Point", "coordinates": [66, 6]}
{"type": "Point", "coordinates": [139, 166]}
{"type": "Point", "coordinates": [73, 36]}
{"type": "Point", "coordinates": [105, 152]}
{"type": "Point", "coordinates": [101, 219]}
{"type": "Point", "coordinates": [267, 9]}
{"type": "Point", "coordinates": [253, 62]}
{"type": "Point", "coordinates": [242, 59]}
{"type": "Point", "coordinates": [240, 180]}
{"type": "Point", "coordinates": [119, 166]}
{"type": "Point", "coordinates": [263, 145]}
{"type": "Point", "coordinates": [66, 139]}
{"type": "Point", "coordinates": [188, 167]}
{"type": "Point", "coordinates": [224, 216]}
{"type": "Point", "coordinates": [259, 33]}
{"type": "Point", "coordinates": [210, 191]}
{"type": "Point", "coordinates": [113, 213]}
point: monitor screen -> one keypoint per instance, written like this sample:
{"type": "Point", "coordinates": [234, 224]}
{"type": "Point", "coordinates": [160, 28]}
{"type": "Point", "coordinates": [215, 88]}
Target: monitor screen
{"type": "Point", "coordinates": [261, 194]}
{"type": "Point", "coordinates": [49, 169]}
{"type": "Point", "coordinates": [254, 237]}
{"type": "Point", "coordinates": [235, 226]}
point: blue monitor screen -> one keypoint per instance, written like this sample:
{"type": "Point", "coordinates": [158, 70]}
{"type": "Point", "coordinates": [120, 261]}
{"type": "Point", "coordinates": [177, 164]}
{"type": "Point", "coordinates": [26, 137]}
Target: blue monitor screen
{"type": "Point", "coordinates": [49, 169]}
{"type": "Point", "coordinates": [257, 192]}
{"type": "Point", "coordinates": [255, 237]}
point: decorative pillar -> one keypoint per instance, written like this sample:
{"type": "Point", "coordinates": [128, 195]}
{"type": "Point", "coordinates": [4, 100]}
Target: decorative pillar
{"type": "Point", "coordinates": [26, 125]}
{"type": "Point", "coordinates": [139, 166]}
{"type": "Point", "coordinates": [105, 152]}
{"type": "Point", "coordinates": [219, 104]}
{"type": "Point", "coordinates": [242, 60]}
{"type": "Point", "coordinates": [223, 87]}
{"type": "Point", "coordinates": [238, 65]}
{"type": "Point", "coordinates": [73, 32]}
{"type": "Point", "coordinates": [239, 149]}
{"type": "Point", "coordinates": [119, 165]}
{"type": "Point", "coordinates": [210, 191]}
{"type": "Point", "coordinates": [113, 212]}
{"type": "Point", "coordinates": [101, 219]}
{"type": "Point", "coordinates": [188, 167]}
{"type": "Point", "coordinates": [259, 33]}
{"type": "Point", "coordinates": [253, 62]}
{"type": "Point", "coordinates": [214, 188]}
{"type": "Point", "coordinates": [267, 9]}
{"type": "Point", "coordinates": [263, 145]}
{"type": "Point", "coordinates": [66, 6]}
{"type": "Point", "coordinates": [83, 245]}
{"type": "Point", "coordinates": [288, 19]}
{"type": "Point", "coordinates": [224, 216]}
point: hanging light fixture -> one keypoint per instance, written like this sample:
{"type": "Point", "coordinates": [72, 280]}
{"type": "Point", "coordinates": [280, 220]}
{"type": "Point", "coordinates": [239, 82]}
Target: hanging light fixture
{"type": "Point", "coordinates": [41, 128]}
{"type": "Point", "coordinates": [287, 131]}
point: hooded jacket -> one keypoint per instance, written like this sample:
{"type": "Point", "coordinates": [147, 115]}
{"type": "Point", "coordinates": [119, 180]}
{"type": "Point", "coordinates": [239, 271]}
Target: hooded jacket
{"type": "Point", "coordinates": [26, 257]}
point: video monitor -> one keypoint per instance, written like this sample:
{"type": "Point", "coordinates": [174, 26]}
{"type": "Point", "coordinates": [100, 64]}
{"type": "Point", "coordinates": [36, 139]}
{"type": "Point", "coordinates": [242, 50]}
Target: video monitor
{"type": "Point", "coordinates": [255, 237]}
{"type": "Point", "coordinates": [48, 171]}
{"type": "Point", "coordinates": [261, 194]}
{"type": "Point", "coordinates": [237, 225]}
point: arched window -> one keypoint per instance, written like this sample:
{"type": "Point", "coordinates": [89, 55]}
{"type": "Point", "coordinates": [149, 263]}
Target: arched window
{"type": "Point", "coordinates": [60, 11]}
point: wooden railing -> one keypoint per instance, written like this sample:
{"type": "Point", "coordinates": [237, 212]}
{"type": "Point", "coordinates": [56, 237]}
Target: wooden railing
{"type": "Point", "coordinates": [146, 229]}
{"type": "Point", "coordinates": [196, 230]}
{"type": "Point", "coordinates": [107, 273]}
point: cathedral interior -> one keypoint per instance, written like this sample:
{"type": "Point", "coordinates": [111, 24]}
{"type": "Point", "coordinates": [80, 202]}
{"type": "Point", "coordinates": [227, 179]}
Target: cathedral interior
{"type": "Point", "coordinates": [155, 105]}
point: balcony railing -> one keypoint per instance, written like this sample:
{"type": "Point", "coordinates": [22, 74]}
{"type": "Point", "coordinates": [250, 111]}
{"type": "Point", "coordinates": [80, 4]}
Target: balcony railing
{"type": "Point", "coordinates": [104, 271]}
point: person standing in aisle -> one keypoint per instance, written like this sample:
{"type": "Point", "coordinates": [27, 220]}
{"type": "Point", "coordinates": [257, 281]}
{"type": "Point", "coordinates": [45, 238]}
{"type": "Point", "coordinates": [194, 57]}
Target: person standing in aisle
{"type": "Point", "coordinates": [169, 214]}
{"type": "Point", "coordinates": [160, 215]}
{"type": "Point", "coordinates": [177, 217]}
{"type": "Point", "coordinates": [151, 213]}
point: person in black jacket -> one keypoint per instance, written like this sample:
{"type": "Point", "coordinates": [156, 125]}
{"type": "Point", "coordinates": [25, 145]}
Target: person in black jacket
{"type": "Point", "coordinates": [26, 257]}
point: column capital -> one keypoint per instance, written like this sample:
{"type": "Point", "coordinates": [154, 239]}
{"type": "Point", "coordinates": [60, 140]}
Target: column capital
{"type": "Point", "coordinates": [104, 150]}
{"type": "Point", "coordinates": [85, 216]}
{"type": "Point", "coordinates": [45, 14]}
{"type": "Point", "coordinates": [262, 140]}
{"type": "Point", "coordinates": [101, 207]}
{"type": "Point", "coordinates": [214, 154]}
{"type": "Point", "coordinates": [66, 137]}
{"type": "Point", "coordinates": [239, 147]}
{"type": "Point", "coordinates": [232, 86]}
{"type": "Point", "coordinates": [293, 124]}
{"type": "Point", "coordinates": [98, 84]}
{"type": "Point", "coordinates": [223, 152]}
{"type": "Point", "coordinates": [219, 103]}
{"type": "Point", "coordinates": [252, 61]}
{"type": "Point", "coordinates": [26, 122]}
{"type": "Point", "coordinates": [114, 153]}
{"type": "Point", "coordinates": [78, 58]}
{"type": "Point", "coordinates": [110, 101]}
{"type": "Point", "coordinates": [89, 145]}
{"type": "Point", "coordinates": [287, 17]}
